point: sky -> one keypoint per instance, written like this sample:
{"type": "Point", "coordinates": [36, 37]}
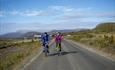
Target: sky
{"type": "Point", "coordinates": [45, 15]}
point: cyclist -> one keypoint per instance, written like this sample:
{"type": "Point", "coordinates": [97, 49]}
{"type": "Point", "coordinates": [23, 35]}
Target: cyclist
{"type": "Point", "coordinates": [58, 40]}
{"type": "Point", "coordinates": [45, 42]}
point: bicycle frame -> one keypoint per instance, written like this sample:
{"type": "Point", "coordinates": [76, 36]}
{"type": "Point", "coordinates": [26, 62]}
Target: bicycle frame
{"type": "Point", "coordinates": [46, 49]}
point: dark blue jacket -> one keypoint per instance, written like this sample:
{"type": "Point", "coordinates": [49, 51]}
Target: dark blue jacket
{"type": "Point", "coordinates": [45, 38]}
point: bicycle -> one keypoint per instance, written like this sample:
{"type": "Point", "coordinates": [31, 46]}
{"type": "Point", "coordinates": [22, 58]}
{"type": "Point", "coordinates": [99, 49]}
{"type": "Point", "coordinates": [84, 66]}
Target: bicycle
{"type": "Point", "coordinates": [46, 49]}
{"type": "Point", "coordinates": [58, 48]}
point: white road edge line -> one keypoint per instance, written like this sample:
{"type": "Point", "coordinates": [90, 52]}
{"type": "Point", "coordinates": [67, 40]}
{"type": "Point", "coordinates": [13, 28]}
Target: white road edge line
{"type": "Point", "coordinates": [34, 58]}
{"type": "Point", "coordinates": [27, 64]}
{"type": "Point", "coordinates": [105, 56]}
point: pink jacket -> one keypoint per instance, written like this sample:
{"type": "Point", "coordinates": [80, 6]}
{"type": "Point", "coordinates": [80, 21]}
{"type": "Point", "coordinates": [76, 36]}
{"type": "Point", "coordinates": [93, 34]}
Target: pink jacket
{"type": "Point", "coordinates": [58, 38]}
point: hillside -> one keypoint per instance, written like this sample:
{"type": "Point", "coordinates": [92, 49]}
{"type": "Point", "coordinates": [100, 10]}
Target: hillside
{"type": "Point", "coordinates": [69, 30]}
{"type": "Point", "coordinates": [101, 38]}
{"type": "Point", "coordinates": [19, 35]}
{"type": "Point", "coordinates": [105, 27]}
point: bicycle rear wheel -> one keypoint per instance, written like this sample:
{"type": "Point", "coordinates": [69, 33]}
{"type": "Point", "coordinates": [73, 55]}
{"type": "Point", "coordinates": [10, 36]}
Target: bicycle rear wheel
{"type": "Point", "coordinates": [59, 49]}
{"type": "Point", "coordinates": [46, 50]}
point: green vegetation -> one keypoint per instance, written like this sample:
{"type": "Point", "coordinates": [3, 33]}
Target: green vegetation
{"type": "Point", "coordinates": [6, 43]}
{"type": "Point", "coordinates": [16, 53]}
{"type": "Point", "coordinates": [102, 37]}
{"type": "Point", "coordinates": [103, 42]}
{"type": "Point", "coordinates": [105, 27]}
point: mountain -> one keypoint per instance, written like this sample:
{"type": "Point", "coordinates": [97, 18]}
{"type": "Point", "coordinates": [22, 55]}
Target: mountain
{"type": "Point", "coordinates": [68, 30]}
{"type": "Point", "coordinates": [105, 27]}
{"type": "Point", "coordinates": [31, 34]}
{"type": "Point", "coordinates": [19, 34]}
{"type": "Point", "coordinates": [11, 35]}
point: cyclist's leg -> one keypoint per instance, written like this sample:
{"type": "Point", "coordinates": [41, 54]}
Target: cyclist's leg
{"type": "Point", "coordinates": [56, 46]}
{"type": "Point", "coordinates": [47, 48]}
{"type": "Point", "coordinates": [43, 47]}
{"type": "Point", "coordinates": [60, 47]}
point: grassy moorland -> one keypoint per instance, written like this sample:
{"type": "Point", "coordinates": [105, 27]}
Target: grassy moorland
{"type": "Point", "coordinates": [102, 37]}
{"type": "Point", "coordinates": [12, 54]}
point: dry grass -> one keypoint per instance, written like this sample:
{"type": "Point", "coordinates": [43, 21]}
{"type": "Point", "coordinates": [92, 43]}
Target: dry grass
{"type": "Point", "coordinates": [13, 55]}
{"type": "Point", "coordinates": [104, 42]}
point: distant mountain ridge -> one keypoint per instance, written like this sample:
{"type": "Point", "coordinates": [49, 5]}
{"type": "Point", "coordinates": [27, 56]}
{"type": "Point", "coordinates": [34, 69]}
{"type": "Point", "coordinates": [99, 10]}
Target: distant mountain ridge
{"type": "Point", "coordinates": [19, 34]}
{"type": "Point", "coordinates": [69, 30]}
{"type": "Point", "coordinates": [30, 34]}
{"type": "Point", "coordinates": [105, 27]}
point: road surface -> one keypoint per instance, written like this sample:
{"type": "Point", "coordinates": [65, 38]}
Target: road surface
{"type": "Point", "coordinates": [73, 58]}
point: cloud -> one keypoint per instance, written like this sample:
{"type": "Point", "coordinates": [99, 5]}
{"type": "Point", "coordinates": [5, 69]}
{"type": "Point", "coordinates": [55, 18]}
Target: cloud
{"type": "Point", "coordinates": [69, 9]}
{"type": "Point", "coordinates": [61, 9]}
{"type": "Point", "coordinates": [1, 13]}
{"type": "Point", "coordinates": [71, 16]}
{"type": "Point", "coordinates": [110, 14]}
{"type": "Point", "coordinates": [14, 12]}
{"type": "Point", "coordinates": [68, 13]}
{"type": "Point", "coordinates": [56, 7]}
{"type": "Point", "coordinates": [29, 13]}
{"type": "Point", "coordinates": [65, 13]}
{"type": "Point", "coordinates": [84, 9]}
{"type": "Point", "coordinates": [33, 13]}
{"type": "Point", "coordinates": [50, 11]}
{"type": "Point", "coordinates": [79, 15]}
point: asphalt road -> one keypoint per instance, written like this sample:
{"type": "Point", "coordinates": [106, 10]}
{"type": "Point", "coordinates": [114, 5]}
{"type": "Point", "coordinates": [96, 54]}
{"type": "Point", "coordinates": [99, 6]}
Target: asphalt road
{"type": "Point", "coordinates": [73, 58]}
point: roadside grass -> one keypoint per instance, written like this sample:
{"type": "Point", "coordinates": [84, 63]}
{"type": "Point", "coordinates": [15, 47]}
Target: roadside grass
{"type": "Point", "coordinates": [4, 44]}
{"type": "Point", "coordinates": [104, 42]}
{"type": "Point", "coordinates": [16, 53]}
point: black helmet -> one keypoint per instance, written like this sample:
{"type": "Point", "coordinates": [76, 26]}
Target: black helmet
{"type": "Point", "coordinates": [45, 33]}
